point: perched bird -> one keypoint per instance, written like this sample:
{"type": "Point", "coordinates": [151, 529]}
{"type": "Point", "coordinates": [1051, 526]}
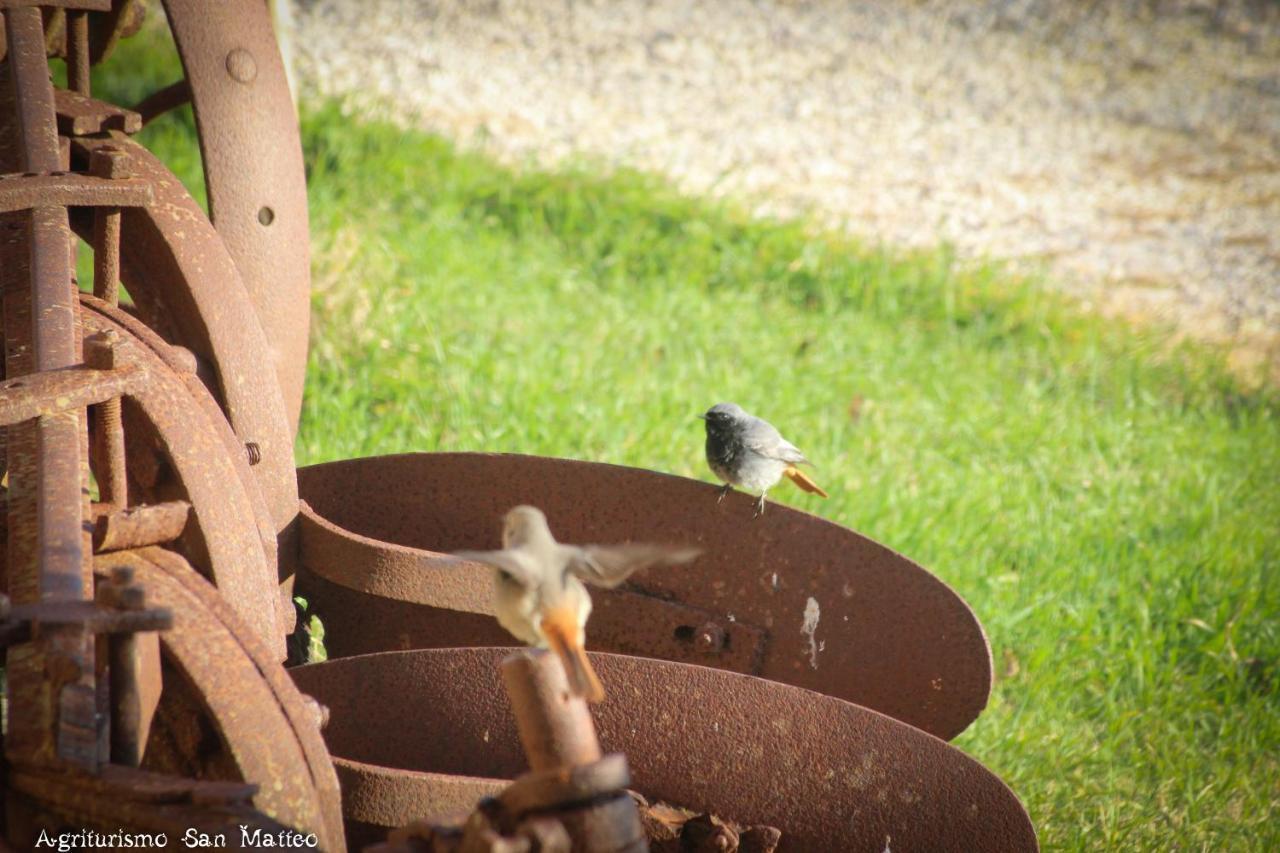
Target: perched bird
{"type": "Point", "coordinates": [539, 594]}
{"type": "Point", "coordinates": [747, 451]}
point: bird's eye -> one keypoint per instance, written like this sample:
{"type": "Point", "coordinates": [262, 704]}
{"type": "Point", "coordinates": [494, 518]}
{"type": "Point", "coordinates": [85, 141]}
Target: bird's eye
{"type": "Point", "coordinates": [506, 576]}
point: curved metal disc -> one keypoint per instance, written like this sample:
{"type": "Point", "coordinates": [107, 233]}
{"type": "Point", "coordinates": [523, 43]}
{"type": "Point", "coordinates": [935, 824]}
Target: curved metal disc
{"type": "Point", "coordinates": [831, 775]}
{"type": "Point", "coordinates": [801, 600]}
{"type": "Point", "coordinates": [259, 715]}
{"type": "Point", "coordinates": [143, 335]}
{"type": "Point", "coordinates": [188, 289]}
{"type": "Point", "coordinates": [252, 168]}
{"type": "Point", "coordinates": [223, 542]}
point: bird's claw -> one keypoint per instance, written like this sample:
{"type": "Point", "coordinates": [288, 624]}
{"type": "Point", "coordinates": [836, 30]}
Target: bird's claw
{"type": "Point", "coordinates": [724, 490]}
{"type": "Point", "coordinates": [759, 508]}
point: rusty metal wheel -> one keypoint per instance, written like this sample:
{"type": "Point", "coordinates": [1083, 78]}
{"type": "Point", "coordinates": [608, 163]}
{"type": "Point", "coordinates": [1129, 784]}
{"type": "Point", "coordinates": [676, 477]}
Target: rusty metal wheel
{"type": "Point", "coordinates": [228, 711]}
{"type": "Point", "coordinates": [180, 409]}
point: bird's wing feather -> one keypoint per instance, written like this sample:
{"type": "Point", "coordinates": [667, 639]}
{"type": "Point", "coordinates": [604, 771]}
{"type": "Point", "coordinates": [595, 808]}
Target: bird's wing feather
{"type": "Point", "coordinates": [610, 565]}
{"type": "Point", "coordinates": [514, 563]}
{"type": "Point", "coordinates": [764, 438]}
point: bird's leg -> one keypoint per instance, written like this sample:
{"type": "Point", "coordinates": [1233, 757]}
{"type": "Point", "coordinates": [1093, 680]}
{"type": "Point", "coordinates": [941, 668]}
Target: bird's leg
{"type": "Point", "coordinates": [724, 490]}
{"type": "Point", "coordinates": [759, 507]}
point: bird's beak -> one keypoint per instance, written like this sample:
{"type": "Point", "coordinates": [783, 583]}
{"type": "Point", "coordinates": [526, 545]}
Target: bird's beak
{"type": "Point", "coordinates": [701, 417]}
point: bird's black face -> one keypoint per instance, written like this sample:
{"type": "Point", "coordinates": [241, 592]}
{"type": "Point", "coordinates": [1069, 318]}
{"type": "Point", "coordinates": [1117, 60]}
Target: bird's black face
{"type": "Point", "coordinates": [721, 417]}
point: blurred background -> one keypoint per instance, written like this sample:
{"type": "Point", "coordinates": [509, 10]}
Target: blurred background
{"type": "Point", "coordinates": [1007, 272]}
{"type": "Point", "coordinates": [1129, 149]}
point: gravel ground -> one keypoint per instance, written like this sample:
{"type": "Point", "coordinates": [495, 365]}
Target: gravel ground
{"type": "Point", "coordinates": [1131, 148]}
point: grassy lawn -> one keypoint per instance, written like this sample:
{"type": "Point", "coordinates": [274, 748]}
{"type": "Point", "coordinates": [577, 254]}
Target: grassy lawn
{"type": "Point", "coordinates": [1109, 505]}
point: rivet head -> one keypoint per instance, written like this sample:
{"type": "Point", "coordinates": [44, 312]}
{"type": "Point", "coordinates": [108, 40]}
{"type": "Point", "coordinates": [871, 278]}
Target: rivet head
{"type": "Point", "coordinates": [241, 65]}
{"type": "Point", "coordinates": [710, 638]}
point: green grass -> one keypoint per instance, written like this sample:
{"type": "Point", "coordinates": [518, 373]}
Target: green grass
{"type": "Point", "coordinates": [1109, 505]}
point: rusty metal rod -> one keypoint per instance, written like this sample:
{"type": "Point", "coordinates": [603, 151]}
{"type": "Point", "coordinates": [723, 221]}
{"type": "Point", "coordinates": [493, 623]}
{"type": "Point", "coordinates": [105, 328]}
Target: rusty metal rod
{"type": "Point", "coordinates": [23, 192]}
{"type": "Point", "coordinates": [78, 51]}
{"type": "Point", "coordinates": [53, 316]}
{"type": "Point", "coordinates": [60, 560]}
{"type": "Point", "coordinates": [140, 526]}
{"type": "Point", "coordinates": [555, 727]}
{"type": "Point", "coordinates": [108, 438]}
{"type": "Point", "coordinates": [106, 254]}
{"type": "Point", "coordinates": [162, 101]}
{"type": "Point", "coordinates": [68, 389]}
{"type": "Point", "coordinates": [126, 700]}
{"type": "Point", "coordinates": [125, 670]}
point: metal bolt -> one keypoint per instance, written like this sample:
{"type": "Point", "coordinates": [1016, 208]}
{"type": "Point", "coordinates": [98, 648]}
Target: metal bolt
{"type": "Point", "coordinates": [710, 638]}
{"type": "Point", "coordinates": [108, 161]}
{"type": "Point", "coordinates": [241, 65]}
{"type": "Point", "coordinates": [100, 349]}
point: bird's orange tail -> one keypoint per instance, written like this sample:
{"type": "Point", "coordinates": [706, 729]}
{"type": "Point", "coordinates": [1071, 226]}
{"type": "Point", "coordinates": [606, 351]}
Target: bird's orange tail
{"type": "Point", "coordinates": [802, 480]}
{"type": "Point", "coordinates": [561, 631]}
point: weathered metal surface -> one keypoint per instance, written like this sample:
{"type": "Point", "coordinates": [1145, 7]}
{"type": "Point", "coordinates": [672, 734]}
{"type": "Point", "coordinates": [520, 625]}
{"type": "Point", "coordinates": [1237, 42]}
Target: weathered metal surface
{"type": "Point", "coordinates": [22, 192]}
{"type": "Point", "coordinates": [188, 290]}
{"type": "Point", "coordinates": [844, 615]}
{"type": "Point", "coordinates": [50, 680]}
{"type": "Point", "coordinates": [555, 728]}
{"type": "Point", "coordinates": [107, 437]}
{"type": "Point", "coordinates": [253, 168]}
{"type": "Point", "coordinates": [832, 776]}
{"type": "Point", "coordinates": [89, 616]}
{"type": "Point", "coordinates": [223, 541]}
{"type": "Point", "coordinates": [572, 799]}
{"type": "Point", "coordinates": [262, 722]}
{"type": "Point", "coordinates": [187, 367]}
{"type": "Point", "coordinates": [140, 526]}
{"type": "Point", "coordinates": [359, 580]}
{"type": "Point", "coordinates": [376, 798]}
{"type": "Point", "coordinates": [91, 5]}
{"type": "Point", "coordinates": [64, 390]}
{"type": "Point", "coordinates": [79, 115]}
{"type": "Point", "coordinates": [132, 673]}
{"type": "Point", "coordinates": [112, 165]}
{"type": "Point", "coordinates": [124, 797]}
{"type": "Point", "coordinates": [162, 101]}
{"type": "Point", "coordinates": [78, 51]}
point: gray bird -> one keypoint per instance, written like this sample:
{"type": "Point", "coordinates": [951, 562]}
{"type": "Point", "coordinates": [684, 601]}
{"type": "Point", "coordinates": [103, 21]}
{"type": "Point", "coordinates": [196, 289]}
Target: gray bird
{"type": "Point", "coordinates": [749, 452]}
{"type": "Point", "coordinates": [538, 590]}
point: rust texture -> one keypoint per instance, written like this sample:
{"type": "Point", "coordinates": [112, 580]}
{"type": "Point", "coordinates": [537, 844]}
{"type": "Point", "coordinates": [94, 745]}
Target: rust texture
{"type": "Point", "coordinates": [144, 633]}
{"type": "Point", "coordinates": [47, 556]}
{"type": "Point", "coordinates": [139, 526]}
{"type": "Point", "coordinates": [79, 115]}
{"type": "Point", "coordinates": [253, 171]}
{"type": "Point", "coordinates": [194, 466]}
{"type": "Point", "coordinates": [188, 290]}
{"type": "Point", "coordinates": [572, 799]}
{"type": "Point", "coordinates": [23, 192]}
{"type": "Point", "coordinates": [555, 728]}
{"type": "Point", "coordinates": [830, 775]}
{"type": "Point", "coordinates": [269, 734]}
{"type": "Point", "coordinates": [886, 634]}
{"type": "Point", "coordinates": [70, 388]}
